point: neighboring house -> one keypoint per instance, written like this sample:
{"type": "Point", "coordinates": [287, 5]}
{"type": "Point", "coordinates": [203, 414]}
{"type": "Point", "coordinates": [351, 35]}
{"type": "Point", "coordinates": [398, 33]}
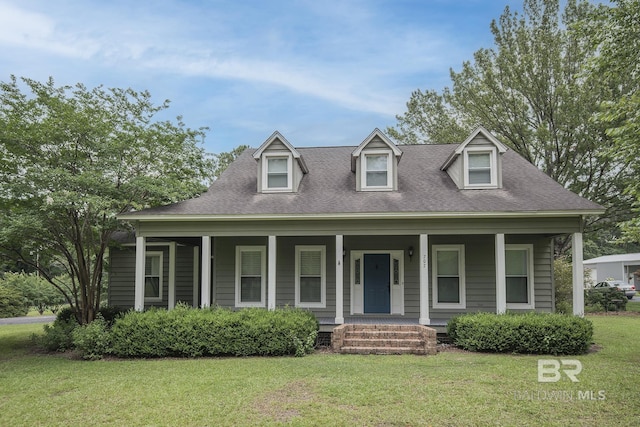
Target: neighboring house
{"type": "Point", "coordinates": [413, 234]}
{"type": "Point", "coordinates": [614, 267]}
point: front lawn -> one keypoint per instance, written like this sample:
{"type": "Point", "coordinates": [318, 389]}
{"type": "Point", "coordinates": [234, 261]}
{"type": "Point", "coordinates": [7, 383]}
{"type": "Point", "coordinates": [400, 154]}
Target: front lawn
{"type": "Point", "coordinates": [452, 388]}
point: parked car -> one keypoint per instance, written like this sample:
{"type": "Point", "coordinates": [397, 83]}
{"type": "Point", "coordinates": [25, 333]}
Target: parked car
{"type": "Point", "coordinates": [629, 290]}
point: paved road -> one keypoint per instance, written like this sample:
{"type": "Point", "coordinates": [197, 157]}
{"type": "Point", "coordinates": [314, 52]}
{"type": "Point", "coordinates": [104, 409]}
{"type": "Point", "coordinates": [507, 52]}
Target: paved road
{"type": "Point", "coordinates": [25, 320]}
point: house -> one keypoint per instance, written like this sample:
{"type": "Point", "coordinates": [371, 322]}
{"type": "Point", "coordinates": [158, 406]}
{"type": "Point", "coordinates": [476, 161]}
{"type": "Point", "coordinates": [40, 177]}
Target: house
{"type": "Point", "coordinates": [625, 267]}
{"type": "Point", "coordinates": [370, 232]}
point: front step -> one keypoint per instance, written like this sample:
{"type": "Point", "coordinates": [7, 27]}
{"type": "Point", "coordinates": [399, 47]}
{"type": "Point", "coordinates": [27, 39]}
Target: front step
{"type": "Point", "coordinates": [384, 339]}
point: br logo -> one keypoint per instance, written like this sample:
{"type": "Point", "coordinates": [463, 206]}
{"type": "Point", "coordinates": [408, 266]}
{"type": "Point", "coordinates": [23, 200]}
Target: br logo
{"type": "Point", "coordinates": [550, 370]}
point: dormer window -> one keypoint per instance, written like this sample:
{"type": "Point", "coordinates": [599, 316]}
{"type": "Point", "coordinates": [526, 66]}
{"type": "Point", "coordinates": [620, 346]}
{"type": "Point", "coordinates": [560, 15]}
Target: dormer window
{"type": "Point", "coordinates": [480, 171]}
{"type": "Point", "coordinates": [475, 163]}
{"type": "Point", "coordinates": [376, 170]}
{"type": "Point", "coordinates": [278, 172]}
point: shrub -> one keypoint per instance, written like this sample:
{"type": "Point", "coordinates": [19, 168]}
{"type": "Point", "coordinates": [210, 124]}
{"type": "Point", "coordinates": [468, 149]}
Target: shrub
{"type": "Point", "coordinates": [604, 299]}
{"type": "Point", "coordinates": [92, 341]}
{"type": "Point", "coordinates": [187, 332]}
{"type": "Point", "coordinates": [39, 293]}
{"type": "Point", "coordinates": [531, 333]}
{"type": "Point", "coordinates": [12, 303]}
{"type": "Point", "coordinates": [58, 336]}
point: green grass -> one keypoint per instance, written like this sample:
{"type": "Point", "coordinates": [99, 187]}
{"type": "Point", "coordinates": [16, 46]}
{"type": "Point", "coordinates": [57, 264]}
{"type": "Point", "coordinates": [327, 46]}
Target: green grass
{"type": "Point", "coordinates": [449, 389]}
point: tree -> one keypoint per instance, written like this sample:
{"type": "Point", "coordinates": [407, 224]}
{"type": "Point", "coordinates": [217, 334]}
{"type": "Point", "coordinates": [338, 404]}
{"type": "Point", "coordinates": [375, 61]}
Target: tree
{"type": "Point", "coordinates": [615, 32]}
{"type": "Point", "coordinates": [531, 91]}
{"type": "Point", "coordinates": [72, 159]}
{"type": "Point", "coordinates": [37, 292]}
{"type": "Point", "coordinates": [224, 159]}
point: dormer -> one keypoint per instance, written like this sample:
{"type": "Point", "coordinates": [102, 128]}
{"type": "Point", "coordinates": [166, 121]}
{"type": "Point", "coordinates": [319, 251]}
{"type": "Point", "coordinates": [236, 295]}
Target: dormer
{"type": "Point", "coordinates": [280, 166]}
{"type": "Point", "coordinates": [375, 163]}
{"type": "Point", "coordinates": [477, 162]}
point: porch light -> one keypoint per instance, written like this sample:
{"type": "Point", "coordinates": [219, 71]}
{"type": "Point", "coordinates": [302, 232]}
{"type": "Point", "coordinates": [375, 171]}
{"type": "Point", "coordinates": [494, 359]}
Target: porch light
{"type": "Point", "coordinates": [410, 252]}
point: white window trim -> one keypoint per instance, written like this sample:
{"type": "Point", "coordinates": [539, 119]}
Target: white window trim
{"type": "Point", "coordinates": [493, 163]}
{"type": "Point", "coordinates": [159, 254]}
{"type": "Point", "coordinates": [265, 171]}
{"type": "Point", "coordinates": [263, 274]}
{"type": "Point", "coordinates": [323, 276]}
{"type": "Point", "coordinates": [461, 274]}
{"type": "Point", "coordinates": [530, 265]}
{"type": "Point", "coordinates": [363, 171]}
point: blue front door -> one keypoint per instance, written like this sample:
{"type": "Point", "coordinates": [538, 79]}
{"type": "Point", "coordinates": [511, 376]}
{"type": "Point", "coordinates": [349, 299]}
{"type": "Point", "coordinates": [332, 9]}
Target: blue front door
{"type": "Point", "coordinates": [377, 289]}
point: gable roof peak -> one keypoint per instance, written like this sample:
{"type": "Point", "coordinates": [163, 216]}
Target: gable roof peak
{"type": "Point", "coordinates": [276, 136]}
{"type": "Point", "coordinates": [460, 148]}
{"type": "Point", "coordinates": [377, 133]}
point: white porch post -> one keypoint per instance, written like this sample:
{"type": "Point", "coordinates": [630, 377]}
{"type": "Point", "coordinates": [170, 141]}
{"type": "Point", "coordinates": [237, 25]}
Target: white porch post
{"type": "Point", "coordinates": [501, 279]}
{"type": "Point", "coordinates": [172, 275]}
{"type": "Point", "coordinates": [424, 280]}
{"type": "Point", "coordinates": [271, 278]}
{"type": "Point", "coordinates": [141, 246]}
{"type": "Point", "coordinates": [339, 280]}
{"type": "Point", "coordinates": [205, 283]}
{"type": "Point", "coordinates": [578, 275]}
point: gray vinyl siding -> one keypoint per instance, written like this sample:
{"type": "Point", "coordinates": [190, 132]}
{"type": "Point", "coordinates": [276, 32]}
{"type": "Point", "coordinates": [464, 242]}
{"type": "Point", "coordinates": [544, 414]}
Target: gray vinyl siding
{"type": "Point", "coordinates": [184, 274]}
{"type": "Point", "coordinates": [122, 275]}
{"type": "Point", "coordinates": [122, 272]}
{"type": "Point", "coordinates": [479, 270]}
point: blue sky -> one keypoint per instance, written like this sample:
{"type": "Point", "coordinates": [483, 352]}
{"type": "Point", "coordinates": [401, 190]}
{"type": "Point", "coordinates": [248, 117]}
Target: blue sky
{"type": "Point", "coordinates": [320, 72]}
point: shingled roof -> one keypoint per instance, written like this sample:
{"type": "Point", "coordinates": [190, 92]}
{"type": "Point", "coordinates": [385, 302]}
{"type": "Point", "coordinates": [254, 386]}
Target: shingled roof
{"type": "Point", "coordinates": [423, 188]}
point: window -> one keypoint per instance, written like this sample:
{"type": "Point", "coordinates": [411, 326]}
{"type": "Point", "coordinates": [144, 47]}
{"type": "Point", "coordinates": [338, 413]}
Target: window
{"type": "Point", "coordinates": [153, 277]}
{"type": "Point", "coordinates": [519, 272]}
{"type": "Point", "coordinates": [448, 276]}
{"type": "Point", "coordinates": [310, 276]}
{"type": "Point", "coordinates": [480, 171]}
{"type": "Point", "coordinates": [277, 173]}
{"type": "Point", "coordinates": [250, 276]}
{"type": "Point", "coordinates": [376, 170]}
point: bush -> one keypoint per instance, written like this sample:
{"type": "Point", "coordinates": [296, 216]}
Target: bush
{"type": "Point", "coordinates": [92, 341]}
{"type": "Point", "coordinates": [604, 299]}
{"type": "Point", "coordinates": [12, 303]}
{"type": "Point", "coordinates": [59, 335]}
{"type": "Point", "coordinates": [187, 332]}
{"type": "Point", "coordinates": [531, 333]}
{"type": "Point", "coordinates": [39, 293]}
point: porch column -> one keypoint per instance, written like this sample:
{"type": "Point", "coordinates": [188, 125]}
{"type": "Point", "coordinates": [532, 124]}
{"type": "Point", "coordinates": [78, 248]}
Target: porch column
{"type": "Point", "coordinates": [339, 280]}
{"type": "Point", "coordinates": [424, 280]}
{"type": "Point", "coordinates": [501, 275]}
{"type": "Point", "coordinates": [172, 275]}
{"type": "Point", "coordinates": [205, 283]}
{"type": "Point", "coordinates": [578, 275]}
{"type": "Point", "coordinates": [271, 277]}
{"type": "Point", "coordinates": [141, 246]}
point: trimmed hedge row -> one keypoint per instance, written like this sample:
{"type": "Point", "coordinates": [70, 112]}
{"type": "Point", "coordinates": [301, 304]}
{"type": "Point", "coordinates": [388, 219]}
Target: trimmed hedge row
{"type": "Point", "coordinates": [188, 332]}
{"type": "Point", "coordinates": [531, 333]}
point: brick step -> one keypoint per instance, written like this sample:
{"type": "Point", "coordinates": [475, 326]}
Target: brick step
{"type": "Point", "coordinates": [384, 339]}
{"type": "Point", "coordinates": [381, 334]}
{"type": "Point", "coordinates": [382, 350]}
{"type": "Point", "coordinates": [383, 343]}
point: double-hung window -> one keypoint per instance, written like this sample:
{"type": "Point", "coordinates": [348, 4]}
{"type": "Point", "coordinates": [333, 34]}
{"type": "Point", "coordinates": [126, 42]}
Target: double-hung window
{"type": "Point", "coordinates": [376, 171]}
{"type": "Point", "coordinates": [250, 276]}
{"type": "Point", "coordinates": [153, 277]}
{"type": "Point", "coordinates": [310, 273]}
{"type": "Point", "coordinates": [277, 173]}
{"type": "Point", "coordinates": [519, 276]}
{"type": "Point", "coordinates": [480, 168]}
{"type": "Point", "coordinates": [448, 276]}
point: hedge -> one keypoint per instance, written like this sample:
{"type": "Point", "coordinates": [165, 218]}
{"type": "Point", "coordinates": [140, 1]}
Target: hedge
{"type": "Point", "coordinates": [531, 333]}
{"type": "Point", "coordinates": [188, 332]}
